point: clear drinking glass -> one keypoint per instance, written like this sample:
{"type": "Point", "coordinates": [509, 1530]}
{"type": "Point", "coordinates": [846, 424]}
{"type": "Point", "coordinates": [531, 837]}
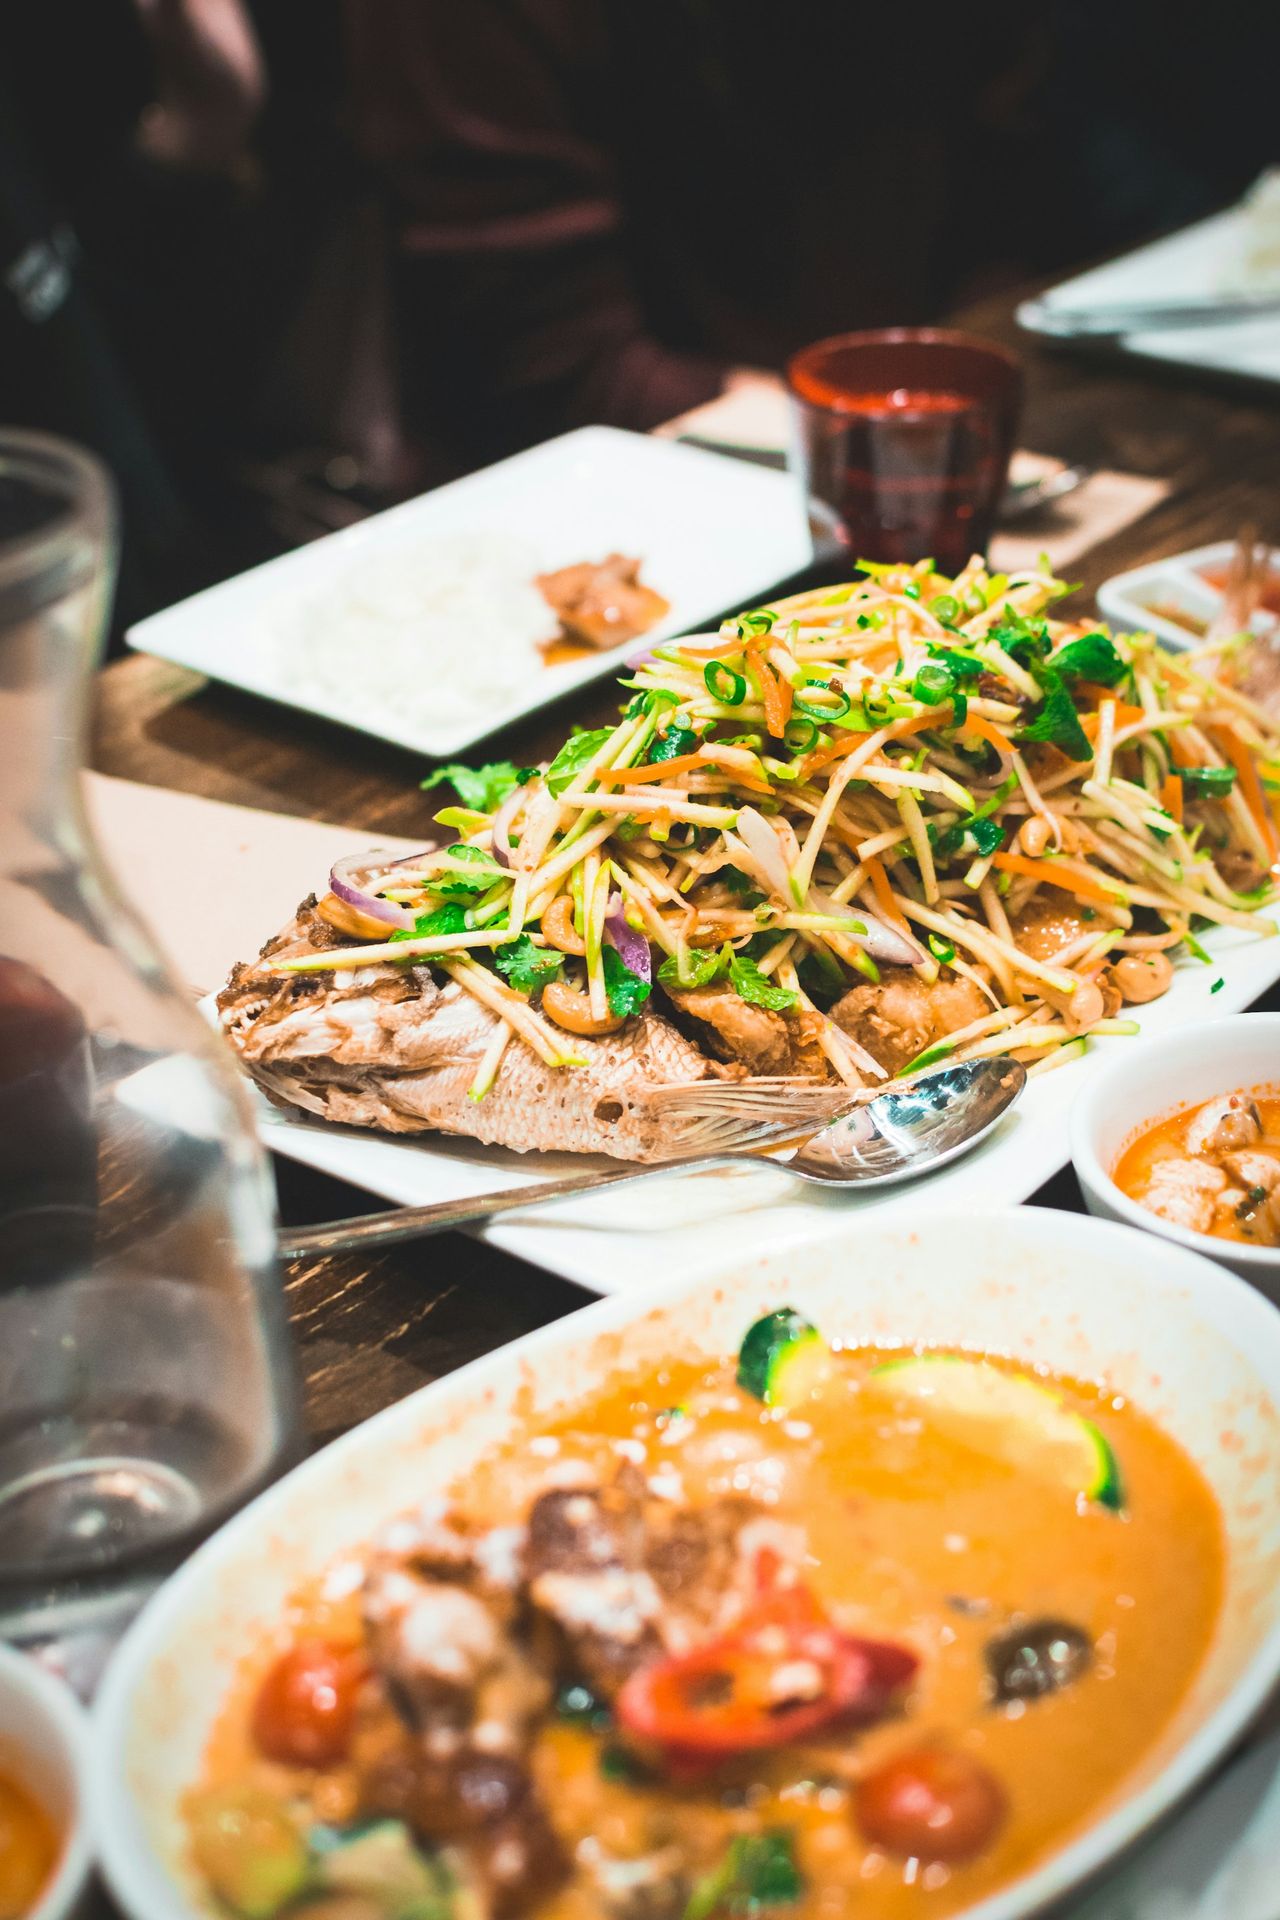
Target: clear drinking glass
{"type": "Point", "coordinates": [146, 1380]}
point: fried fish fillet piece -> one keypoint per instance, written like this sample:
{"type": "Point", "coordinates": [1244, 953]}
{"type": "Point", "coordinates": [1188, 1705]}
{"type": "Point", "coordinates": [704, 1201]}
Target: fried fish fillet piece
{"type": "Point", "coordinates": [389, 1047]}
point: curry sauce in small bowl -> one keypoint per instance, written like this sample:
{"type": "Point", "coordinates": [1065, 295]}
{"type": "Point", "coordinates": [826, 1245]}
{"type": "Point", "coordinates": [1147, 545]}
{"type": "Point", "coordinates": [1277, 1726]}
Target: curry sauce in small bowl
{"type": "Point", "coordinates": [44, 1857]}
{"type": "Point", "coordinates": [1182, 1138]}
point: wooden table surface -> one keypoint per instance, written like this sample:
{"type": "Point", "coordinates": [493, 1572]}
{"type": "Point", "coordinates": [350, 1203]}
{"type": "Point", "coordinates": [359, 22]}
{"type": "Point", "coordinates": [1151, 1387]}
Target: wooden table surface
{"type": "Point", "coordinates": [372, 1328]}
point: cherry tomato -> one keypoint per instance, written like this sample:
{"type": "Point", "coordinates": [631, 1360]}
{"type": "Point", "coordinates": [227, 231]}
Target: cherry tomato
{"type": "Point", "coordinates": [933, 1803]}
{"type": "Point", "coordinates": [306, 1704]}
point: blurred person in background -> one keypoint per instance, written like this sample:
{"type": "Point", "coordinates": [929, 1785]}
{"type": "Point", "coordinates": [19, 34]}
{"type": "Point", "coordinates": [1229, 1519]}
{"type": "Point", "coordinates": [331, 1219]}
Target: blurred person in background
{"type": "Point", "coordinates": [283, 261]}
{"type": "Point", "coordinates": [612, 211]}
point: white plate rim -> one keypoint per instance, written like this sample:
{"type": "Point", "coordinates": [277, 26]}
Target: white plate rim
{"type": "Point", "coordinates": [1229, 1302]}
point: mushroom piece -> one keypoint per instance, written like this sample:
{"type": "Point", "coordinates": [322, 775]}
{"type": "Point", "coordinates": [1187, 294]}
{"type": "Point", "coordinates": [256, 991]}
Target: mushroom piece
{"type": "Point", "coordinates": [1037, 1658]}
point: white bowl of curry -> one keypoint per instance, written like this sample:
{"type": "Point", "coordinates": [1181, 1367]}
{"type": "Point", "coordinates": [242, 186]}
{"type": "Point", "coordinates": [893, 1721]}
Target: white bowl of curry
{"type": "Point", "coordinates": [908, 1572]}
{"type": "Point", "coordinates": [1182, 1139]}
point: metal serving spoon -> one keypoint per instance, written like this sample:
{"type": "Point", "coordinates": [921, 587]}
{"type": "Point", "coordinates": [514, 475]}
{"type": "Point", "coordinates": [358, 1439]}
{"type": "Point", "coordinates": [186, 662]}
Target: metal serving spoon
{"type": "Point", "coordinates": [903, 1132]}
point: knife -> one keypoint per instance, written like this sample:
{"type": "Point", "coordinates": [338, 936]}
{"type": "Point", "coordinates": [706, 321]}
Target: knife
{"type": "Point", "coordinates": [1101, 323]}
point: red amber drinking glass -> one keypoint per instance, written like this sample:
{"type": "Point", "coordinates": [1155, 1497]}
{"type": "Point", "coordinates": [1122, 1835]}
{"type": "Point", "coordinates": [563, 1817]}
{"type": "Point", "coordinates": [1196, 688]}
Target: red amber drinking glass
{"type": "Point", "coordinates": [902, 442]}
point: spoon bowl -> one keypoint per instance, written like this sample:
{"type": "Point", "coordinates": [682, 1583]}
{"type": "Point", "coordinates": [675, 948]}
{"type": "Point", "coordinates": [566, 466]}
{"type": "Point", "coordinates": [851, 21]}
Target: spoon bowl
{"type": "Point", "coordinates": [898, 1135]}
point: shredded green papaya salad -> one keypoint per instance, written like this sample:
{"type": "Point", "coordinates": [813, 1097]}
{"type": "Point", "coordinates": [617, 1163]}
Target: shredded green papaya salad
{"type": "Point", "coordinates": [910, 819]}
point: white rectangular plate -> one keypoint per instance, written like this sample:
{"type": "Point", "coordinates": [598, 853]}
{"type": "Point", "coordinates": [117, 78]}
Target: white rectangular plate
{"type": "Point", "coordinates": [711, 534]}
{"type": "Point", "coordinates": [618, 1242]}
{"type": "Point", "coordinates": [1195, 264]}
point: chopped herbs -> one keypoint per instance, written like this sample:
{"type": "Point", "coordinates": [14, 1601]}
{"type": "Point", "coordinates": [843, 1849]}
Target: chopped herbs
{"type": "Point", "coordinates": [1091, 657]}
{"type": "Point", "coordinates": [528, 968]}
{"type": "Point", "coordinates": [756, 988]}
{"type": "Point", "coordinates": [943, 950]}
{"type": "Point", "coordinates": [1057, 724]}
{"type": "Point", "coordinates": [700, 968]}
{"type": "Point", "coordinates": [675, 741]}
{"type": "Point", "coordinates": [483, 788]}
{"type": "Point", "coordinates": [450, 918]}
{"type": "Point", "coordinates": [758, 1873]}
{"type": "Point", "coordinates": [452, 885]}
{"type": "Point", "coordinates": [574, 757]}
{"type": "Point", "coordinates": [1216, 986]}
{"type": "Point", "coordinates": [626, 991]}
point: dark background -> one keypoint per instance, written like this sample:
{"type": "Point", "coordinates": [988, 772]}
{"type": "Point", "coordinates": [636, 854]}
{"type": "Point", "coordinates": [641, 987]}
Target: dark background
{"type": "Point", "coordinates": [444, 229]}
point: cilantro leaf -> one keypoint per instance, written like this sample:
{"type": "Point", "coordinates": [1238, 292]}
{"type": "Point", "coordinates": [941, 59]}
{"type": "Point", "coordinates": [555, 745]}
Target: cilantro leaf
{"type": "Point", "coordinates": [965, 666]}
{"type": "Point", "coordinates": [1057, 723]}
{"type": "Point", "coordinates": [756, 988]}
{"type": "Point", "coordinates": [1023, 640]}
{"type": "Point", "coordinates": [528, 968]}
{"type": "Point", "coordinates": [458, 886]}
{"type": "Point", "coordinates": [758, 1872]}
{"type": "Point", "coordinates": [648, 700]}
{"type": "Point", "coordinates": [626, 991]}
{"type": "Point", "coordinates": [701, 968]}
{"type": "Point", "coordinates": [450, 918]}
{"type": "Point", "coordinates": [675, 741]}
{"type": "Point", "coordinates": [737, 881]}
{"type": "Point", "coordinates": [482, 788]}
{"type": "Point", "coordinates": [573, 756]}
{"type": "Point", "coordinates": [974, 834]}
{"type": "Point", "coordinates": [1091, 657]}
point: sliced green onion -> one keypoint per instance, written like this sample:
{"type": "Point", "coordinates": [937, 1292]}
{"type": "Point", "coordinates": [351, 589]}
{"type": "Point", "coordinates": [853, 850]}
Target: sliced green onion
{"type": "Point", "coordinates": [836, 707]}
{"type": "Point", "coordinates": [945, 608]}
{"type": "Point", "coordinates": [941, 949]}
{"type": "Point", "coordinates": [723, 684]}
{"type": "Point", "coordinates": [800, 733]}
{"type": "Point", "coordinates": [934, 683]}
{"type": "Point", "coordinates": [1213, 782]}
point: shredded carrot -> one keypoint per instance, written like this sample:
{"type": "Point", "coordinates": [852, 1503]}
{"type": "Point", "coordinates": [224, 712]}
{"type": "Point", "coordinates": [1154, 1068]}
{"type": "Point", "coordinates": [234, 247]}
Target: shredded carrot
{"type": "Point", "coordinates": [914, 723]}
{"type": "Point", "coordinates": [678, 763]}
{"type": "Point", "coordinates": [1179, 752]}
{"type": "Point", "coordinates": [884, 892]}
{"type": "Point", "coordinates": [1125, 716]}
{"type": "Point", "coordinates": [652, 770]}
{"type": "Point", "coordinates": [1044, 870]}
{"type": "Point", "coordinates": [776, 692]}
{"type": "Point", "coordinates": [1230, 743]}
{"type": "Point", "coordinates": [1171, 797]}
{"type": "Point", "coordinates": [986, 730]}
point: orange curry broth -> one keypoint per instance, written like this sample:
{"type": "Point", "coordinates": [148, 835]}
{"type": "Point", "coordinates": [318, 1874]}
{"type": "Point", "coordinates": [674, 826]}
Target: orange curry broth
{"type": "Point", "coordinates": [902, 1523]}
{"type": "Point", "coordinates": [1163, 1140]}
{"type": "Point", "coordinates": [28, 1850]}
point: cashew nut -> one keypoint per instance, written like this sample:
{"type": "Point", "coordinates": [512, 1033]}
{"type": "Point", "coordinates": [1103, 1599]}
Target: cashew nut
{"type": "Point", "coordinates": [1143, 976]}
{"type": "Point", "coordinates": [557, 925]}
{"type": "Point", "coordinates": [347, 919]}
{"type": "Point", "coordinates": [1081, 1008]}
{"type": "Point", "coordinates": [571, 1010]}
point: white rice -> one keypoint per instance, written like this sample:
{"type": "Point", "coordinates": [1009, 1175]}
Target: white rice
{"type": "Point", "coordinates": [416, 635]}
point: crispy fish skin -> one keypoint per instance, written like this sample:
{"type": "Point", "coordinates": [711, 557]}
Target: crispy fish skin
{"type": "Point", "coordinates": [390, 1048]}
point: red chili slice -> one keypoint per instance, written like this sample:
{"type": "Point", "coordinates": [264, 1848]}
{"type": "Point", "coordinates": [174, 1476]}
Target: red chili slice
{"type": "Point", "coordinates": [785, 1672]}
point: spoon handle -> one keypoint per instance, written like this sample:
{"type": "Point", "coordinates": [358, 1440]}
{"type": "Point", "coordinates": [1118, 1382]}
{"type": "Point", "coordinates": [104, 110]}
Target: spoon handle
{"type": "Point", "coordinates": [409, 1223]}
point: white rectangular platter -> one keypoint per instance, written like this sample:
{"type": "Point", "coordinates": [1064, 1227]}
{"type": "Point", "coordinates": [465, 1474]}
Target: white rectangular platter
{"type": "Point", "coordinates": [1195, 264]}
{"type": "Point", "coordinates": [302, 629]}
{"type": "Point", "coordinates": [624, 1241]}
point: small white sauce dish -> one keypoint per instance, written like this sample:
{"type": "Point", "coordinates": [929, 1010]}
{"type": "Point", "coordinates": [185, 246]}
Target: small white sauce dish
{"type": "Point", "coordinates": [44, 1740]}
{"type": "Point", "coordinates": [1146, 1083]}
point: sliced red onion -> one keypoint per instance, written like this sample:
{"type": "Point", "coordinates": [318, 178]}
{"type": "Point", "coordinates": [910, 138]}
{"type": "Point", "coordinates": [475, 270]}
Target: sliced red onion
{"type": "Point", "coordinates": [502, 848]}
{"type": "Point", "coordinates": [632, 947]}
{"type": "Point", "coordinates": [983, 782]}
{"type": "Point", "coordinates": [761, 842]}
{"type": "Point", "coordinates": [641, 659]}
{"type": "Point", "coordinates": [881, 941]}
{"type": "Point", "coordinates": [370, 903]}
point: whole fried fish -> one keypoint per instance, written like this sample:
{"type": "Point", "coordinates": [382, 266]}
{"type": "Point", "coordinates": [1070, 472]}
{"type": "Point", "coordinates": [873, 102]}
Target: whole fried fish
{"type": "Point", "coordinates": [389, 1047]}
